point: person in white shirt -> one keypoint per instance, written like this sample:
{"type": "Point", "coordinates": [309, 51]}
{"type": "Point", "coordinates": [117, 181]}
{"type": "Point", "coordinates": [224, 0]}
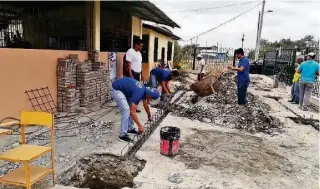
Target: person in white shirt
{"type": "Point", "coordinates": [132, 64]}
{"type": "Point", "coordinates": [201, 68]}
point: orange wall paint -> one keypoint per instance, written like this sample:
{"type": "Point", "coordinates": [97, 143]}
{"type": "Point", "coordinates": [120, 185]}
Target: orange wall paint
{"type": "Point", "coordinates": [25, 69]}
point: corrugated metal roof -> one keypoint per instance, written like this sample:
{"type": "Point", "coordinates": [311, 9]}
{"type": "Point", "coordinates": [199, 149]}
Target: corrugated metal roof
{"type": "Point", "coordinates": [145, 10]}
{"type": "Point", "coordinates": [161, 30]}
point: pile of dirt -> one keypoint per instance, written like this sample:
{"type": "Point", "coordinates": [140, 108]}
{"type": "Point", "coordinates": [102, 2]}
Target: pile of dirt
{"type": "Point", "coordinates": [232, 152]}
{"type": "Point", "coordinates": [222, 109]}
{"type": "Point", "coordinates": [102, 171]}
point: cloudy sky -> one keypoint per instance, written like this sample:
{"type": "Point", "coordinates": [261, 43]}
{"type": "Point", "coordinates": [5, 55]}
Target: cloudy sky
{"type": "Point", "coordinates": [289, 19]}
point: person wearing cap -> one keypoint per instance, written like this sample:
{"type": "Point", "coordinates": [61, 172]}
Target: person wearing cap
{"type": "Point", "coordinates": [295, 85]}
{"type": "Point", "coordinates": [242, 76]}
{"type": "Point", "coordinates": [127, 93]}
{"type": "Point", "coordinates": [309, 71]}
{"type": "Point", "coordinates": [162, 76]}
{"type": "Point", "coordinates": [201, 63]}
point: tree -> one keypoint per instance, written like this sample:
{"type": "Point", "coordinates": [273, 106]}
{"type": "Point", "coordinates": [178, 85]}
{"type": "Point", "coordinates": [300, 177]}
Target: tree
{"type": "Point", "coordinates": [266, 45]}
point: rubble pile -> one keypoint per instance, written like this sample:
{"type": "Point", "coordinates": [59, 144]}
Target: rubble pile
{"type": "Point", "coordinates": [81, 84]}
{"type": "Point", "coordinates": [222, 109]}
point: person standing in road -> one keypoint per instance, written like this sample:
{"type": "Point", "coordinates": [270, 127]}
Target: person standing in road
{"type": "Point", "coordinates": [309, 71]}
{"type": "Point", "coordinates": [127, 93]}
{"type": "Point", "coordinates": [201, 63]}
{"type": "Point", "coordinates": [132, 64]}
{"type": "Point", "coordinates": [242, 76]}
{"type": "Point", "coordinates": [295, 85]}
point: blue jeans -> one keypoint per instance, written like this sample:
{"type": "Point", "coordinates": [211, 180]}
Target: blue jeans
{"type": "Point", "coordinates": [124, 106]}
{"type": "Point", "coordinates": [242, 92]}
{"type": "Point", "coordinates": [154, 84]}
{"type": "Point", "coordinates": [295, 91]}
{"type": "Point", "coordinates": [153, 81]}
{"type": "Point", "coordinates": [305, 93]}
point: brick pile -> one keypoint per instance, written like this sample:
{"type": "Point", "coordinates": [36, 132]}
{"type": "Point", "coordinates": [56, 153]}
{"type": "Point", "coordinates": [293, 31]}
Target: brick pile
{"type": "Point", "coordinates": [90, 83]}
{"type": "Point", "coordinates": [68, 96]}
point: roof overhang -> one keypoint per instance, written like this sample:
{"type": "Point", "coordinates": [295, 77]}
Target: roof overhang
{"type": "Point", "coordinates": [144, 10]}
{"type": "Point", "coordinates": [161, 30]}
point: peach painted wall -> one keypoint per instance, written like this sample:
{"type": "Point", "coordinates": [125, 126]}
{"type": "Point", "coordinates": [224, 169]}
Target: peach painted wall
{"type": "Point", "coordinates": [25, 69]}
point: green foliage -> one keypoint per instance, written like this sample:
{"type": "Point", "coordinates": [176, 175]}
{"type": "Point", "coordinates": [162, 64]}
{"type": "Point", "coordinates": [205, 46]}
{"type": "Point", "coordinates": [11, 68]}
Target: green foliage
{"type": "Point", "coordinates": [266, 45]}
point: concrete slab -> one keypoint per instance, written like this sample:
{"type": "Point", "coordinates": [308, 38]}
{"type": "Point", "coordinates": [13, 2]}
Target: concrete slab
{"type": "Point", "coordinates": [296, 149]}
{"type": "Point", "coordinates": [295, 108]}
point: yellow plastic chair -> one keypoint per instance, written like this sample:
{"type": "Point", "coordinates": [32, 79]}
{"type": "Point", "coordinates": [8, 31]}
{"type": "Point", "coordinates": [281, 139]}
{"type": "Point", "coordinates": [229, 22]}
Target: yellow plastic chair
{"type": "Point", "coordinates": [29, 174]}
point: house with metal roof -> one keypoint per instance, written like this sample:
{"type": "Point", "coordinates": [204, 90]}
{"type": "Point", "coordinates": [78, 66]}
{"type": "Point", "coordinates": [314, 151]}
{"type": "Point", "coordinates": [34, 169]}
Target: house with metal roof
{"type": "Point", "coordinates": [34, 34]}
{"type": "Point", "coordinates": [158, 42]}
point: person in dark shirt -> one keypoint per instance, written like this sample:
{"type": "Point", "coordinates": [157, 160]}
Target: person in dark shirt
{"type": "Point", "coordinates": [242, 76]}
{"type": "Point", "coordinates": [127, 93]}
{"type": "Point", "coordinates": [162, 76]}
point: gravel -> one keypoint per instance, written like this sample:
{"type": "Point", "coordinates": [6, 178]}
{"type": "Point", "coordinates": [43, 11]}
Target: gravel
{"type": "Point", "coordinates": [222, 109]}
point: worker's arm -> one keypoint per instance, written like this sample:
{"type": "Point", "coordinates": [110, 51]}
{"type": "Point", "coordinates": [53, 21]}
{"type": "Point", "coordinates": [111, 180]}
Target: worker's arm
{"type": "Point", "coordinates": [134, 116]}
{"type": "Point", "coordinates": [167, 86]}
{"type": "Point", "coordinates": [241, 69]}
{"type": "Point", "coordinates": [163, 85]}
{"type": "Point", "coordinates": [129, 58]}
{"type": "Point", "coordinates": [147, 108]}
{"type": "Point", "coordinates": [129, 69]}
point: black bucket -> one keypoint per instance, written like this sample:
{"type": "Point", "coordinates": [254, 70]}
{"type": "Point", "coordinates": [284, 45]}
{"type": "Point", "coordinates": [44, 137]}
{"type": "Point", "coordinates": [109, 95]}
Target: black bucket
{"type": "Point", "coordinates": [169, 136]}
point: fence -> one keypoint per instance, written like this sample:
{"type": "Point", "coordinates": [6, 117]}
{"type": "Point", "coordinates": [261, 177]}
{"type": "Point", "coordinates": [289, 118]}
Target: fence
{"type": "Point", "coordinates": [216, 59]}
{"type": "Point", "coordinates": [281, 63]}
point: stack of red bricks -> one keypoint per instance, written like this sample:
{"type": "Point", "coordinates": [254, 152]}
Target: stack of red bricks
{"type": "Point", "coordinates": [68, 95]}
{"type": "Point", "coordinates": [91, 81]}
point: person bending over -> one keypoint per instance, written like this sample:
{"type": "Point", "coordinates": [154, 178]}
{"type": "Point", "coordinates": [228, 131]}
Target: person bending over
{"type": "Point", "coordinates": [127, 93]}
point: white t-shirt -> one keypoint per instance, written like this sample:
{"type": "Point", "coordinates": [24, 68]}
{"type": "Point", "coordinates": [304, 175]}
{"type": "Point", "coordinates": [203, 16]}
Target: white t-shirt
{"type": "Point", "coordinates": [135, 58]}
{"type": "Point", "coordinates": [200, 63]}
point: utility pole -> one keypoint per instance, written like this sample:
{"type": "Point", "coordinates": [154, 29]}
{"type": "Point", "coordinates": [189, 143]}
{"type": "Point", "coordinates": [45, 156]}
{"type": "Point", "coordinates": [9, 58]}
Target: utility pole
{"type": "Point", "coordinates": [259, 31]}
{"type": "Point", "coordinates": [194, 55]}
{"type": "Point", "coordinates": [242, 40]}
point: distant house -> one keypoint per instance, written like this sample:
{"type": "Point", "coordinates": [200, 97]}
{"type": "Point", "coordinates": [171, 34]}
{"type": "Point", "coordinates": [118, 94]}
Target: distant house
{"type": "Point", "coordinates": [158, 45]}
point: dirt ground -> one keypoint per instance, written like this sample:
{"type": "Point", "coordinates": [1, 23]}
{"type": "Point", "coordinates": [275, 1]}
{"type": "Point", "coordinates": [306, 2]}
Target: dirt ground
{"type": "Point", "coordinates": [102, 171]}
{"type": "Point", "coordinates": [212, 155]}
{"type": "Point", "coordinates": [216, 156]}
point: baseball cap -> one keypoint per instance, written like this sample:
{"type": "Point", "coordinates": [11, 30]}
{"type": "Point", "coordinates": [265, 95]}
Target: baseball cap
{"type": "Point", "coordinates": [239, 51]}
{"type": "Point", "coordinates": [199, 56]}
{"type": "Point", "coordinates": [311, 54]}
{"type": "Point", "coordinates": [154, 93]}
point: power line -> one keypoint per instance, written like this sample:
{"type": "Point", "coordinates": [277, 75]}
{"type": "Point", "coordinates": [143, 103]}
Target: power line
{"type": "Point", "coordinates": [225, 22]}
{"type": "Point", "coordinates": [212, 8]}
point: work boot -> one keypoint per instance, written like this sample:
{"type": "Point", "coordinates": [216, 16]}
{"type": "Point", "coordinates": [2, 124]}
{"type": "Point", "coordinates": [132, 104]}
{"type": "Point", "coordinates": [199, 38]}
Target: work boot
{"type": "Point", "coordinates": [292, 100]}
{"type": "Point", "coordinates": [125, 138]}
{"type": "Point", "coordinates": [138, 111]}
{"type": "Point", "coordinates": [135, 132]}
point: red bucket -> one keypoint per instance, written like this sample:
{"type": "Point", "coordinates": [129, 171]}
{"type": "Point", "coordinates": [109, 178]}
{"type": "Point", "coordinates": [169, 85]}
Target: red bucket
{"type": "Point", "coordinates": [169, 145]}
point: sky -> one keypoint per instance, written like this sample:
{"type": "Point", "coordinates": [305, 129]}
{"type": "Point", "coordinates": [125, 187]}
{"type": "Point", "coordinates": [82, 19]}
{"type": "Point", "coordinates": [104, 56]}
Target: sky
{"type": "Point", "coordinates": [290, 19]}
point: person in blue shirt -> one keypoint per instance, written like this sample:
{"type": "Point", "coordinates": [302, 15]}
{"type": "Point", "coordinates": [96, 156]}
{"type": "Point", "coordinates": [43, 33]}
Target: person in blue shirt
{"type": "Point", "coordinates": [309, 71]}
{"type": "Point", "coordinates": [127, 93]}
{"type": "Point", "coordinates": [242, 76]}
{"type": "Point", "coordinates": [162, 76]}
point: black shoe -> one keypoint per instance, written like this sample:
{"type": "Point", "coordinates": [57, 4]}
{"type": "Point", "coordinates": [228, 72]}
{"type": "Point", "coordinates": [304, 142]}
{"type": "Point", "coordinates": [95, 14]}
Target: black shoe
{"type": "Point", "coordinates": [133, 131]}
{"type": "Point", "coordinates": [291, 100]}
{"type": "Point", "coordinates": [125, 138]}
{"type": "Point", "coordinates": [138, 111]}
